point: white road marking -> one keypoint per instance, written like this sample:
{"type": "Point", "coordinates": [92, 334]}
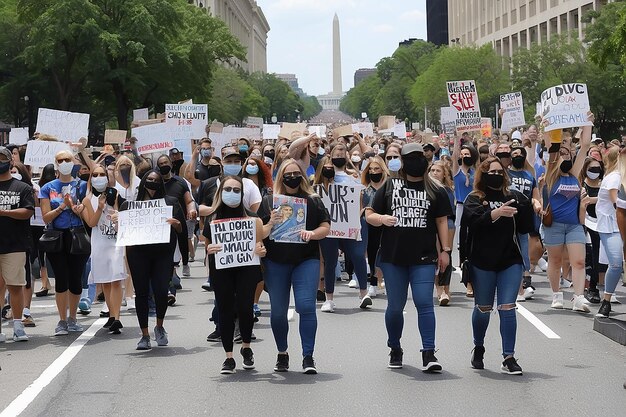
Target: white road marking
{"type": "Point", "coordinates": [532, 319]}
{"type": "Point", "coordinates": [33, 306]}
{"type": "Point", "coordinates": [19, 404]}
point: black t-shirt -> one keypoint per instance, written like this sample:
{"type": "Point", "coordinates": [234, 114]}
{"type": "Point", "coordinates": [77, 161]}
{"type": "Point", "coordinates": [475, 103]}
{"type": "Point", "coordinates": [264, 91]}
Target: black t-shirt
{"type": "Point", "coordinates": [413, 240]}
{"type": "Point", "coordinates": [591, 192]}
{"type": "Point", "coordinates": [295, 253]}
{"type": "Point", "coordinates": [15, 234]}
{"type": "Point", "coordinates": [177, 187]}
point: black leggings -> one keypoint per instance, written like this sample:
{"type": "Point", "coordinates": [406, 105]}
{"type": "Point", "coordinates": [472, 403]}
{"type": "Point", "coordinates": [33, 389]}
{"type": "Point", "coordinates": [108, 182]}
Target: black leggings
{"type": "Point", "coordinates": [68, 269]}
{"type": "Point", "coordinates": [183, 244]}
{"type": "Point", "coordinates": [373, 243]}
{"type": "Point", "coordinates": [150, 265]}
{"type": "Point", "coordinates": [592, 261]}
{"type": "Point", "coordinates": [234, 294]}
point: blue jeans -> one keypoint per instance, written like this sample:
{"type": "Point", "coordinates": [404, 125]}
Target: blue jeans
{"type": "Point", "coordinates": [485, 283]}
{"type": "Point", "coordinates": [613, 245]}
{"type": "Point", "coordinates": [523, 245]}
{"type": "Point", "coordinates": [304, 277]}
{"type": "Point", "coordinates": [353, 250]}
{"type": "Point", "coordinates": [421, 278]}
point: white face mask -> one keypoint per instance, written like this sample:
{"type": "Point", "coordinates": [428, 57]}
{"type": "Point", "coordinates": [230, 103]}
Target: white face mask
{"type": "Point", "coordinates": [99, 183]}
{"type": "Point", "coordinates": [355, 158]}
{"type": "Point", "coordinates": [17, 176]}
{"type": "Point", "coordinates": [546, 156]}
{"type": "Point", "coordinates": [593, 175]}
{"type": "Point", "coordinates": [65, 168]}
{"type": "Point", "coordinates": [321, 151]}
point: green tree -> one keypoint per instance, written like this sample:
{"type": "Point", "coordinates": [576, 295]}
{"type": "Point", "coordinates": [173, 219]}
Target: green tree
{"type": "Point", "coordinates": [233, 98]}
{"type": "Point", "coordinates": [606, 34]}
{"type": "Point", "coordinates": [311, 107]}
{"type": "Point", "coordinates": [281, 99]}
{"type": "Point", "coordinates": [361, 98]}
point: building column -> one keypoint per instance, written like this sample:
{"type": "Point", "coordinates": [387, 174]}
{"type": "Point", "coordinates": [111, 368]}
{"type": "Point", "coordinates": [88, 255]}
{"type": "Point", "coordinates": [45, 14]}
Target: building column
{"type": "Point", "coordinates": [580, 24]}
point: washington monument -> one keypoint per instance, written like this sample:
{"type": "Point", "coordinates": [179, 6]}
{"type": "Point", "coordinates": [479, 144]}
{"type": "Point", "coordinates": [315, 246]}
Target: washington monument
{"type": "Point", "coordinates": [337, 88]}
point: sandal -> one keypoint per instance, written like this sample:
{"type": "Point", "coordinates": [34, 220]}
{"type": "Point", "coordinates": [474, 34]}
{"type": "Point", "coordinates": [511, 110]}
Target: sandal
{"type": "Point", "coordinates": [42, 292]}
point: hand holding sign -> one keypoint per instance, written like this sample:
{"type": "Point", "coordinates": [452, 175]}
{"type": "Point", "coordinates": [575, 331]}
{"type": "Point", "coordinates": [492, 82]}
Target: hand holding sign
{"type": "Point", "coordinates": [306, 235]}
{"type": "Point", "coordinates": [213, 248]}
{"type": "Point", "coordinates": [260, 250]}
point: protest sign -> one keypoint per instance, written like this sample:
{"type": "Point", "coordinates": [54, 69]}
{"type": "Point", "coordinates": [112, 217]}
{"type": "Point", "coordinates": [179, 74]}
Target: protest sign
{"type": "Point", "coordinates": [253, 121]}
{"type": "Point", "coordinates": [153, 138]}
{"type": "Point", "coordinates": [218, 141]}
{"type": "Point", "coordinates": [288, 129]}
{"type": "Point", "coordinates": [216, 127]}
{"type": "Point", "coordinates": [343, 205]}
{"type": "Point", "coordinates": [565, 105]}
{"type": "Point", "coordinates": [448, 120]}
{"type": "Point", "coordinates": [320, 131]}
{"type": "Point", "coordinates": [271, 131]}
{"type": "Point", "coordinates": [114, 136]}
{"type": "Point", "coordinates": [186, 121]}
{"type": "Point", "coordinates": [64, 125]}
{"type": "Point", "coordinates": [399, 130]}
{"type": "Point", "coordinates": [485, 127]}
{"type": "Point", "coordinates": [238, 240]}
{"type": "Point", "coordinates": [293, 211]}
{"type": "Point", "coordinates": [40, 153]}
{"type": "Point", "coordinates": [345, 130]}
{"type": "Point", "coordinates": [185, 147]}
{"type": "Point", "coordinates": [513, 107]}
{"type": "Point", "coordinates": [386, 122]}
{"type": "Point", "coordinates": [462, 95]}
{"type": "Point", "coordinates": [144, 223]}
{"type": "Point", "coordinates": [188, 101]}
{"type": "Point", "coordinates": [364, 128]}
{"type": "Point", "coordinates": [141, 114]}
{"type": "Point", "coordinates": [18, 135]}
{"type": "Point", "coordinates": [232, 133]}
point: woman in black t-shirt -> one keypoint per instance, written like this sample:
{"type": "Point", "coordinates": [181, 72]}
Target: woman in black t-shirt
{"type": "Point", "coordinates": [413, 210]}
{"type": "Point", "coordinates": [294, 265]}
{"type": "Point", "coordinates": [495, 216]}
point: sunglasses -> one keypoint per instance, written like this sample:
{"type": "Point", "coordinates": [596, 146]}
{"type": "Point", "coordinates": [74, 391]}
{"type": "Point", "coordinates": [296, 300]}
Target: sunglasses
{"type": "Point", "coordinates": [389, 158]}
{"type": "Point", "coordinates": [235, 190]}
{"type": "Point", "coordinates": [64, 160]}
{"type": "Point", "coordinates": [295, 174]}
{"type": "Point", "coordinates": [98, 175]}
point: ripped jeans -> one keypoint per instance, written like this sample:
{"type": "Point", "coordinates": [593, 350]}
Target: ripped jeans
{"type": "Point", "coordinates": [507, 282]}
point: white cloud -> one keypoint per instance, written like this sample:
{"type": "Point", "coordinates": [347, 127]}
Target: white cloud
{"type": "Point", "coordinates": [413, 16]}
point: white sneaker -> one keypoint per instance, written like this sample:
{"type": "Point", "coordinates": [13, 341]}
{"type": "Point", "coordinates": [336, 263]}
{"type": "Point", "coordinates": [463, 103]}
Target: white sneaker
{"type": "Point", "coordinates": [542, 264]}
{"type": "Point", "coordinates": [365, 302]}
{"type": "Point", "coordinates": [353, 283]}
{"type": "Point", "coordinates": [528, 293]}
{"type": "Point", "coordinates": [614, 300]}
{"type": "Point", "coordinates": [371, 291]}
{"type": "Point", "coordinates": [3, 338]}
{"type": "Point", "coordinates": [563, 283]}
{"type": "Point", "coordinates": [130, 303]}
{"type": "Point", "coordinates": [557, 300]}
{"type": "Point", "coordinates": [578, 304]}
{"type": "Point", "coordinates": [520, 298]}
{"type": "Point", "coordinates": [328, 306]}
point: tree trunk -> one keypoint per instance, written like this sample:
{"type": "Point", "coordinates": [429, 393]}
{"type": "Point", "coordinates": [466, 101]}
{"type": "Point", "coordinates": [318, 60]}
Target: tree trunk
{"type": "Point", "coordinates": [121, 104]}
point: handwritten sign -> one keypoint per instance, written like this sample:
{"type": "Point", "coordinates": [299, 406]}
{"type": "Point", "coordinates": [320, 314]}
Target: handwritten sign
{"type": "Point", "coordinates": [144, 223]}
{"type": "Point", "coordinates": [565, 105]}
{"type": "Point", "coordinates": [253, 121]}
{"type": "Point", "coordinates": [399, 130]}
{"type": "Point", "coordinates": [63, 125]}
{"type": "Point", "coordinates": [153, 138]}
{"type": "Point", "coordinates": [288, 130]}
{"type": "Point", "coordinates": [114, 136]}
{"type": "Point", "coordinates": [141, 114]}
{"type": "Point", "coordinates": [448, 120]}
{"type": "Point", "coordinates": [513, 107]}
{"type": "Point", "coordinates": [386, 122]}
{"type": "Point", "coordinates": [293, 211]}
{"type": "Point", "coordinates": [233, 133]}
{"type": "Point", "coordinates": [238, 240]}
{"type": "Point", "coordinates": [462, 95]}
{"type": "Point", "coordinates": [186, 121]}
{"type": "Point", "coordinates": [271, 131]}
{"type": "Point", "coordinates": [343, 205]}
{"type": "Point", "coordinates": [320, 131]}
{"type": "Point", "coordinates": [40, 153]}
{"type": "Point", "coordinates": [364, 128]}
{"type": "Point", "coordinates": [18, 135]}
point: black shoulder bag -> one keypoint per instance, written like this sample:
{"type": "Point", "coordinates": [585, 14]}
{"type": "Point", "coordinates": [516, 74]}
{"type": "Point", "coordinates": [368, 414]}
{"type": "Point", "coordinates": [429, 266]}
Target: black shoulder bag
{"type": "Point", "coordinates": [51, 241]}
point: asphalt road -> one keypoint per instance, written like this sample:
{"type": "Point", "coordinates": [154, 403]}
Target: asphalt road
{"type": "Point", "coordinates": [578, 374]}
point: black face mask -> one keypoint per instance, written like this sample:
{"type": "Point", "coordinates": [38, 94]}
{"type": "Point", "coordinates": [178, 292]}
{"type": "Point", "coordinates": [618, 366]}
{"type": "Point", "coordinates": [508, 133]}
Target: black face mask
{"type": "Point", "coordinates": [518, 161]}
{"type": "Point", "coordinates": [292, 182]}
{"type": "Point", "coordinates": [376, 177]}
{"type": "Point", "coordinates": [415, 167]}
{"type": "Point", "coordinates": [125, 173]}
{"type": "Point", "coordinates": [151, 185]}
{"type": "Point", "coordinates": [165, 169]}
{"type": "Point", "coordinates": [494, 181]}
{"type": "Point", "coordinates": [468, 161]}
{"type": "Point", "coordinates": [503, 155]}
{"type": "Point", "coordinates": [178, 164]}
{"type": "Point", "coordinates": [84, 177]}
{"type": "Point", "coordinates": [566, 166]}
{"type": "Point", "coordinates": [269, 154]}
{"type": "Point", "coordinates": [328, 172]}
{"type": "Point", "coordinates": [339, 162]}
{"type": "Point", "coordinates": [214, 171]}
{"type": "Point", "coordinates": [5, 166]}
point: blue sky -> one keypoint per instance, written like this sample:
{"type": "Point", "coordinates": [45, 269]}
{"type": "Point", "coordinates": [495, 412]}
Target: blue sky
{"type": "Point", "coordinates": [300, 39]}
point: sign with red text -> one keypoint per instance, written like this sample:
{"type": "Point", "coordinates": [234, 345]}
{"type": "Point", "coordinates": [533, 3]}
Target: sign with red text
{"type": "Point", "coordinates": [186, 121]}
{"type": "Point", "coordinates": [153, 138]}
{"type": "Point", "coordinates": [462, 95]}
{"type": "Point", "coordinates": [513, 111]}
{"type": "Point", "coordinates": [565, 105]}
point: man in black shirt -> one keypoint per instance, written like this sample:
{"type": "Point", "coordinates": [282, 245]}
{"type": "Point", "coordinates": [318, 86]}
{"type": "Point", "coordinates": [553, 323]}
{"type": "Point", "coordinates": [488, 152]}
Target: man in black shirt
{"type": "Point", "coordinates": [17, 205]}
{"type": "Point", "coordinates": [198, 171]}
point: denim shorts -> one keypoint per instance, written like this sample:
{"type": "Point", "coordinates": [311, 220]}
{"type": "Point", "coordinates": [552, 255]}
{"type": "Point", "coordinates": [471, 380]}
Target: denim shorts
{"type": "Point", "coordinates": [563, 234]}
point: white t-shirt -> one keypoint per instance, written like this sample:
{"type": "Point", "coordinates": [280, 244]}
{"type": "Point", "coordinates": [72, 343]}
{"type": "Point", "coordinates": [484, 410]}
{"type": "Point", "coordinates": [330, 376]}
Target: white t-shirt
{"type": "Point", "coordinates": [607, 220]}
{"type": "Point", "coordinates": [251, 193]}
{"type": "Point", "coordinates": [129, 193]}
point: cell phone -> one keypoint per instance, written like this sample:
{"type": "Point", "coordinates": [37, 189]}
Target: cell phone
{"type": "Point", "coordinates": [111, 196]}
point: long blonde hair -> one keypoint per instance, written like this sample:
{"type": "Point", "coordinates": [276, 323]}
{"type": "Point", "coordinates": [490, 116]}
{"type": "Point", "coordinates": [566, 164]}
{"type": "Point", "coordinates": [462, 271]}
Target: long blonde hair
{"type": "Point", "coordinates": [447, 182]}
{"type": "Point", "coordinates": [610, 159]}
{"type": "Point", "coordinates": [365, 180]}
{"type": "Point", "coordinates": [133, 170]}
{"type": "Point", "coordinates": [622, 167]}
{"type": "Point", "coordinates": [279, 187]}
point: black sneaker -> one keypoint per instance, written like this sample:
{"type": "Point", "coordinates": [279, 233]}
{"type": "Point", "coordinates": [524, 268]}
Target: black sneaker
{"type": "Point", "coordinates": [605, 309]}
{"type": "Point", "coordinates": [282, 363]}
{"type": "Point", "coordinates": [228, 367]}
{"type": "Point", "coordinates": [593, 296]}
{"type": "Point", "coordinates": [308, 365]}
{"type": "Point", "coordinates": [207, 286]}
{"type": "Point", "coordinates": [171, 299]}
{"type": "Point", "coordinates": [395, 359]}
{"type": "Point", "coordinates": [510, 366]}
{"type": "Point", "coordinates": [248, 358]}
{"type": "Point", "coordinates": [214, 337]}
{"type": "Point", "coordinates": [321, 296]}
{"type": "Point", "coordinates": [430, 362]}
{"type": "Point", "coordinates": [115, 327]}
{"type": "Point", "coordinates": [109, 323]}
{"type": "Point", "coordinates": [477, 357]}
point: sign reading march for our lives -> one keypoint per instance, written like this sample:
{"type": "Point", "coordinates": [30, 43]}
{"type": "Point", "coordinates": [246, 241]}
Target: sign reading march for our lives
{"type": "Point", "coordinates": [565, 105]}
{"type": "Point", "coordinates": [462, 95]}
{"type": "Point", "coordinates": [186, 121]}
{"type": "Point", "coordinates": [40, 153]}
{"type": "Point", "coordinates": [153, 138]}
{"type": "Point", "coordinates": [238, 240]}
{"type": "Point", "coordinates": [293, 212]}
{"type": "Point", "coordinates": [144, 223]}
{"type": "Point", "coordinates": [513, 107]}
{"type": "Point", "coordinates": [343, 203]}
{"type": "Point", "coordinates": [64, 125]}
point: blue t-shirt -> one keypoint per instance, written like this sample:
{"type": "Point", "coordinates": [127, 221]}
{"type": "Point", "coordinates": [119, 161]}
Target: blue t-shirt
{"type": "Point", "coordinates": [565, 199]}
{"type": "Point", "coordinates": [460, 189]}
{"type": "Point", "coordinates": [540, 169]}
{"type": "Point", "coordinates": [55, 192]}
{"type": "Point", "coordinates": [522, 181]}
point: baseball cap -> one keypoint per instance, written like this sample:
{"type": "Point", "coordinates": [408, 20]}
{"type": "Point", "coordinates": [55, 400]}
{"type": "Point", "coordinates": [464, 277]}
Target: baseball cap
{"type": "Point", "coordinates": [230, 151]}
{"type": "Point", "coordinates": [429, 146]}
{"type": "Point", "coordinates": [174, 151]}
{"type": "Point", "coordinates": [411, 147]}
{"type": "Point", "coordinates": [4, 151]}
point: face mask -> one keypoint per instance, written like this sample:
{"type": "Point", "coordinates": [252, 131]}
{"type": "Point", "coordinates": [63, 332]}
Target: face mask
{"type": "Point", "coordinates": [328, 172]}
{"type": "Point", "coordinates": [415, 167]}
{"type": "Point", "coordinates": [468, 161]}
{"type": "Point", "coordinates": [593, 175]}
{"type": "Point", "coordinates": [232, 169]}
{"type": "Point", "coordinates": [151, 185]}
{"type": "Point", "coordinates": [65, 168]}
{"type": "Point", "coordinates": [5, 167]}
{"type": "Point", "coordinates": [546, 156]}
{"type": "Point", "coordinates": [99, 183]}
{"type": "Point", "coordinates": [125, 173]}
{"type": "Point", "coordinates": [339, 162]}
{"type": "Point", "coordinates": [243, 148]}
{"type": "Point", "coordinates": [494, 181]}
{"type": "Point", "coordinates": [518, 161]}
{"type": "Point", "coordinates": [252, 169]}
{"type": "Point", "coordinates": [17, 176]}
{"type": "Point", "coordinates": [503, 155]}
{"type": "Point", "coordinates": [394, 165]}
{"type": "Point", "coordinates": [206, 153]}
{"type": "Point", "coordinates": [292, 182]}
{"type": "Point", "coordinates": [321, 151]}
{"type": "Point", "coordinates": [165, 169]}
{"type": "Point", "coordinates": [376, 177]}
{"type": "Point", "coordinates": [356, 159]}
{"type": "Point", "coordinates": [214, 171]}
{"type": "Point", "coordinates": [231, 198]}
{"type": "Point", "coordinates": [270, 154]}
{"type": "Point", "coordinates": [566, 166]}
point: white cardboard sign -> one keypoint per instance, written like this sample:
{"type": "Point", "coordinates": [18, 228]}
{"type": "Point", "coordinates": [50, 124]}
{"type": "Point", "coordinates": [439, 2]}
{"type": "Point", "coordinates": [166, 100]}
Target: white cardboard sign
{"type": "Point", "coordinates": [64, 125]}
{"type": "Point", "coordinates": [153, 138]}
{"type": "Point", "coordinates": [18, 135]}
{"type": "Point", "coordinates": [144, 223]}
{"type": "Point", "coordinates": [40, 153]}
{"type": "Point", "coordinates": [186, 121]}
{"type": "Point", "coordinates": [462, 95]}
{"type": "Point", "coordinates": [271, 131]}
{"type": "Point", "coordinates": [565, 105]}
{"type": "Point", "coordinates": [238, 240]}
{"type": "Point", "coordinates": [513, 107]}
